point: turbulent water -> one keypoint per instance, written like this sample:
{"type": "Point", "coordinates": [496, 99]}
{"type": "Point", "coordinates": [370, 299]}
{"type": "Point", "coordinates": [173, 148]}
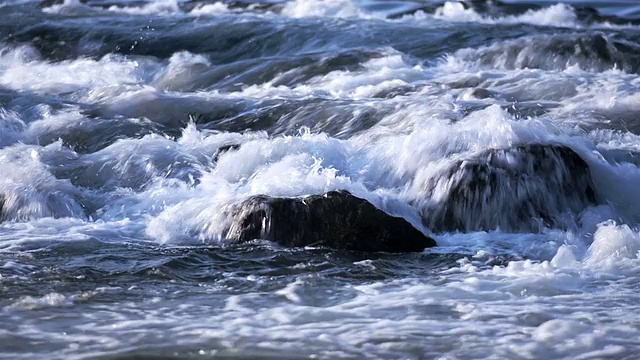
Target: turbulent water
{"type": "Point", "coordinates": [113, 188]}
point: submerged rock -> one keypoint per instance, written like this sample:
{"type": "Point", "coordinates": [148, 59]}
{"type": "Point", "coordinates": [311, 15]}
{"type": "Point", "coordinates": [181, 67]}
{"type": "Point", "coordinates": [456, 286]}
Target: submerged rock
{"type": "Point", "coordinates": [335, 220]}
{"type": "Point", "coordinates": [225, 149]}
{"type": "Point", "coordinates": [524, 188]}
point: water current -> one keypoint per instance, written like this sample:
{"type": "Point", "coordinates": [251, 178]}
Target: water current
{"type": "Point", "coordinates": [459, 117]}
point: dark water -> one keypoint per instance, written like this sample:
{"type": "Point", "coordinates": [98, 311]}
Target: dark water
{"type": "Point", "coordinates": [112, 114]}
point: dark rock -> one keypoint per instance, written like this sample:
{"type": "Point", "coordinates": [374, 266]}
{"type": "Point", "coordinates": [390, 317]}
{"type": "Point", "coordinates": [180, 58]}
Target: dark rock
{"type": "Point", "coordinates": [524, 188]}
{"type": "Point", "coordinates": [335, 220]}
{"type": "Point", "coordinates": [482, 93]}
{"type": "Point", "coordinates": [225, 149]}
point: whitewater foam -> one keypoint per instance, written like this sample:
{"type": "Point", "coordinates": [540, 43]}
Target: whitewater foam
{"type": "Point", "coordinates": [30, 191]}
{"type": "Point", "coordinates": [157, 7]}
{"type": "Point", "coordinates": [558, 15]}
{"type": "Point", "coordinates": [210, 9]}
{"type": "Point", "coordinates": [21, 70]}
{"type": "Point", "coordinates": [323, 8]}
{"type": "Point", "coordinates": [69, 8]}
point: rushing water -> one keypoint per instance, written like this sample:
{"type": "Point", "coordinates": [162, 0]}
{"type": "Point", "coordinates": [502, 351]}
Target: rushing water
{"type": "Point", "coordinates": [112, 113]}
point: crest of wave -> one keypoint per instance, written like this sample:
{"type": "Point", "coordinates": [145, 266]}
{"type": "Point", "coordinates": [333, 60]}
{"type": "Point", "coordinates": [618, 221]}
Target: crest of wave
{"type": "Point", "coordinates": [155, 7]}
{"type": "Point", "coordinates": [29, 191]}
{"type": "Point", "coordinates": [555, 15]}
{"type": "Point", "coordinates": [322, 8]}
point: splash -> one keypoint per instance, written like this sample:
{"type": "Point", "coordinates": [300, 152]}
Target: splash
{"type": "Point", "coordinates": [559, 15]}
{"type": "Point", "coordinates": [323, 8]}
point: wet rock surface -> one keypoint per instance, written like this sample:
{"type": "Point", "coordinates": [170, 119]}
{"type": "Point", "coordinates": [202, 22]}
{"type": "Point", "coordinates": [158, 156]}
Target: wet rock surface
{"type": "Point", "coordinates": [524, 188]}
{"type": "Point", "coordinates": [336, 220]}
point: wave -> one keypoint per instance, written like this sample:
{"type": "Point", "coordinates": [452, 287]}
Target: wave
{"type": "Point", "coordinates": [507, 13]}
{"type": "Point", "coordinates": [158, 8]}
{"type": "Point", "coordinates": [293, 9]}
{"type": "Point", "coordinates": [323, 8]}
{"type": "Point", "coordinates": [559, 15]}
{"type": "Point", "coordinates": [29, 191]}
{"type": "Point", "coordinates": [595, 51]}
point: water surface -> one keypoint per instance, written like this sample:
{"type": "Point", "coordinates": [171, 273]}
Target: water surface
{"type": "Point", "coordinates": [112, 113]}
